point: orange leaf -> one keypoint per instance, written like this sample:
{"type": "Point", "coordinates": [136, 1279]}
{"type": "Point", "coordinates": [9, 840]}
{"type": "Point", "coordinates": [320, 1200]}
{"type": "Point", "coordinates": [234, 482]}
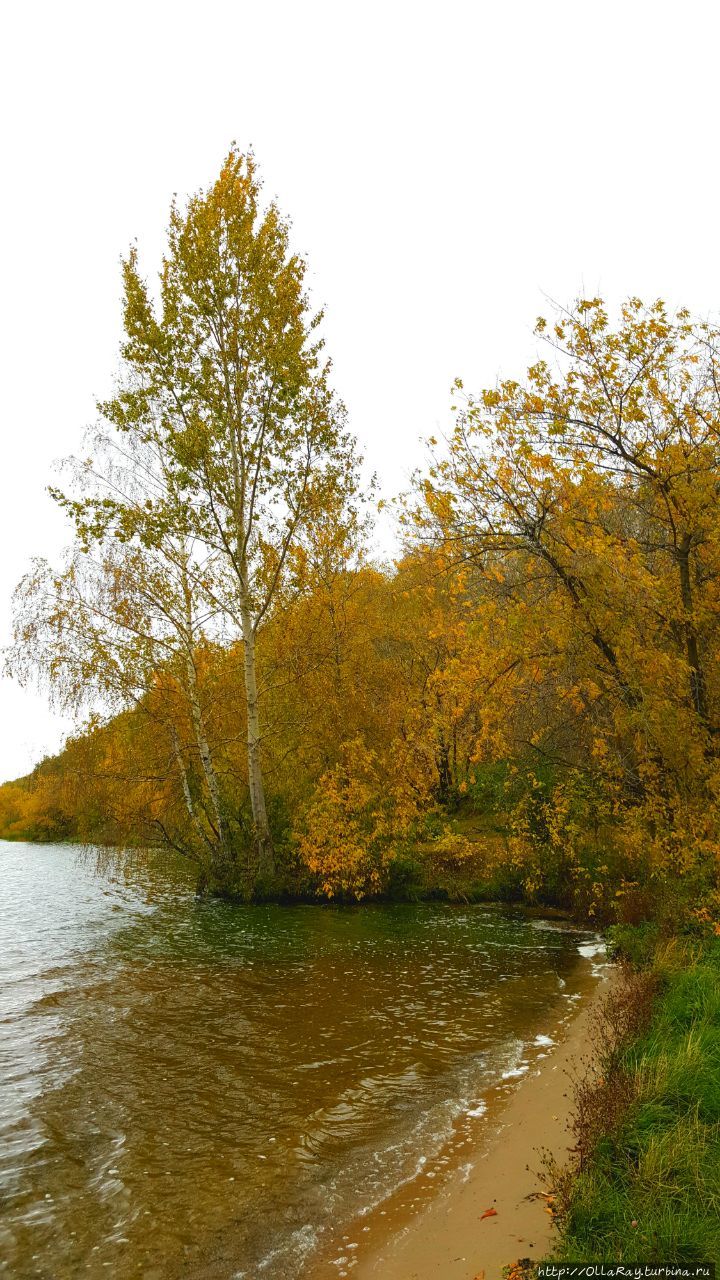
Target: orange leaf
{"type": "Point", "coordinates": [489, 1213]}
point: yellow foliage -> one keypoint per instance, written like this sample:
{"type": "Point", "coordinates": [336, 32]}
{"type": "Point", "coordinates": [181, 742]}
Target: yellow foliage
{"type": "Point", "coordinates": [544, 653]}
{"type": "Point", "coordinates": [352, 824]}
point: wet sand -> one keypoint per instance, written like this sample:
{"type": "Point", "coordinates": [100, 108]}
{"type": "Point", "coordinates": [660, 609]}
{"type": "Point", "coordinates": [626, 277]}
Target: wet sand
{"type": "Point", "coordinates": [447, 1235]}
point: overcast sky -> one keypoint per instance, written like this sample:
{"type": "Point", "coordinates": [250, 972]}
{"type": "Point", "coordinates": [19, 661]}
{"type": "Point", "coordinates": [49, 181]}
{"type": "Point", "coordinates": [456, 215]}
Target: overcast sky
{"type": "Point", "coordinates": [446, 167]}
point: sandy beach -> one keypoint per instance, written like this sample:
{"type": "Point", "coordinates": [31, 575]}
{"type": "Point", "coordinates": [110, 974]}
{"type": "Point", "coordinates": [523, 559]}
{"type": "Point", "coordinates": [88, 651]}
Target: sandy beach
{"type": "Point", "coordinates": [490, 1212]}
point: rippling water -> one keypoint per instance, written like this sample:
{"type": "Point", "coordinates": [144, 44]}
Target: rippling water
{"type": "Point", "coordinates": [200, 1090]}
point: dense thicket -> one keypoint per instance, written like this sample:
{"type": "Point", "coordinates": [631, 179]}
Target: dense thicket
{"type": "Point", "coordinates": [526, 704]}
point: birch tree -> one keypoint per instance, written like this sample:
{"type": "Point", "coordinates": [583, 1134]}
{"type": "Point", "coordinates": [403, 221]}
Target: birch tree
{"type": "Point", "coordinates": [122, 625]}
{"type": "Point", "coordinates": [223, 372]}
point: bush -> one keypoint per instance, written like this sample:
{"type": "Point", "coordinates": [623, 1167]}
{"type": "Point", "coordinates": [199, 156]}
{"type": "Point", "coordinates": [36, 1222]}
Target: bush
{"type": "Point", "coordinates": [634, 943]}
{"type": "Point", "coordinates": [404, 879]}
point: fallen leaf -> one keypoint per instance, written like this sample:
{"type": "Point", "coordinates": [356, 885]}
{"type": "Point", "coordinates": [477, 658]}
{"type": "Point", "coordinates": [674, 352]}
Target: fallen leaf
{"type": "Point", "coordinates": [489, 1213]}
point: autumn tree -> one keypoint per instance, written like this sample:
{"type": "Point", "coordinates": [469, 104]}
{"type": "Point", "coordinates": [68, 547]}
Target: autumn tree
{"type": "Point", "coordinates": [224, 380]}
{"type": "Point", "coordinates": [585, 496]}
{"type": "Point", "coordinates": [124, 624]}
{"type": "Point", "coordinates": [529, 692]}
{"type": "Point", "coordinates": [225, 375]}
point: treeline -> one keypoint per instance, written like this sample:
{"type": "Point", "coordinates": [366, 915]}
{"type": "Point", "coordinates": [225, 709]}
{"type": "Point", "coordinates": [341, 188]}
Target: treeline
{"type": "Point", "coordinates": [360, 739]}
{"type": "Point", "coordinates": [525, 704]}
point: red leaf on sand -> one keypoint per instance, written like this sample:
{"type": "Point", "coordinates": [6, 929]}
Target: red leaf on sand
{"type": "Point", "coordinates": [489, 1213]}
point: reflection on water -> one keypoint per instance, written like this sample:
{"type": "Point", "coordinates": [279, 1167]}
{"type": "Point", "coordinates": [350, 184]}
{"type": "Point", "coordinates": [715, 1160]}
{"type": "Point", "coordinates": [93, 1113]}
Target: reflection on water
{"type": "Point", "coordinates": [199, 1090]}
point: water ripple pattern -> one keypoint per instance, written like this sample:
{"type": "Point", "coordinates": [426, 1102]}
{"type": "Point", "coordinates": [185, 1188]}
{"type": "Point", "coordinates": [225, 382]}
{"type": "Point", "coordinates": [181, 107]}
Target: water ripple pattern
{"type": "Point", "coordinates": [197, 1089]}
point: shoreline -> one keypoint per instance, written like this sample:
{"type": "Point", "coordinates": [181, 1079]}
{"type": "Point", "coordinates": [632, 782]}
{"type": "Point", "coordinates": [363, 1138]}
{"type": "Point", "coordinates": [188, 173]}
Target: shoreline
{"type": "Point", "coordinates": [447, 1233]}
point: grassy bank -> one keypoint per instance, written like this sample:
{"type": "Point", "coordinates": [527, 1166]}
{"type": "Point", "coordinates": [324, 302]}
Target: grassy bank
{"type": "Point", "coordinates": [644, 1185]}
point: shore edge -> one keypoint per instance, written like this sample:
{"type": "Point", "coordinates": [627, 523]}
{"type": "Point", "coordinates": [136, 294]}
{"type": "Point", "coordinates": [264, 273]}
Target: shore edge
{"type": "Point", "coordinates": [492, 1217]}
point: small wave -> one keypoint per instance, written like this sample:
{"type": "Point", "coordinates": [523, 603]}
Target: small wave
{"type": "Point", "coordinates": [546, 926]}
{"type": "Point", "coordinates": [298, 1246]}
{"type": "Point", "coordinates": [478, 1110]}
{"type": "Point", "coordinates": [591, 949]}
{"type": "Point", "coordinates": [519, 1070]}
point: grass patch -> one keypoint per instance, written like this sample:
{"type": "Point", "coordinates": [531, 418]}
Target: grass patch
{"type": "Point", "coordinates": [645, 1185]}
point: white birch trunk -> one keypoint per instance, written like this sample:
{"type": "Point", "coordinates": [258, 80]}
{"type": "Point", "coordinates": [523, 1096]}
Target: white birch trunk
{"type": "Point", "coordinates": [265, 851]}
{"type": "Point", "coordinates": [206, 761]}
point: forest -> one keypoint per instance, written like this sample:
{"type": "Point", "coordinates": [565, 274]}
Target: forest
{"type": "Point", "coordinates": [524, 705]}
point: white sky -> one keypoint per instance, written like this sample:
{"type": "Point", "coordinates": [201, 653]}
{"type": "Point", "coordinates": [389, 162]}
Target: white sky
{"type": "Point", "coordinates": [445, 165]}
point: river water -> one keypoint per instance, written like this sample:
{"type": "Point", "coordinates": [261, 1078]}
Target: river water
{"type": "Point", "coordinates": [193, 1089]}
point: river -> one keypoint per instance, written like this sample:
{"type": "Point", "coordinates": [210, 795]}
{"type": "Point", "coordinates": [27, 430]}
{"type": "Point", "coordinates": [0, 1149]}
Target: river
{"type": "Point", "coordinates": [194, 1089]}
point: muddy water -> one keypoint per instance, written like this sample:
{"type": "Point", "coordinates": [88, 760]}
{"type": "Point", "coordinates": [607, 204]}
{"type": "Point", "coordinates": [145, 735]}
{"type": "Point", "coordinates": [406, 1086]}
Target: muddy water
{"type": "Point", "coordinates": [199, 1090]}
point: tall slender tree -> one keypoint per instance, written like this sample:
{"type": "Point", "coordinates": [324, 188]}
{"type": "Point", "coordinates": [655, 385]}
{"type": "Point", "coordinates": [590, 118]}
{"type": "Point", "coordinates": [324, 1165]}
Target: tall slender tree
{"type": "Point", "coordinates": [223, 374]}
{"type": "Point", "coordinates": [124, 625]}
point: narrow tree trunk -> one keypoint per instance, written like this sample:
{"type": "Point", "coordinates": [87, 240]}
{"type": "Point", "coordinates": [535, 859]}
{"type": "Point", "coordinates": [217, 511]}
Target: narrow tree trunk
{"type": "Point", "coordinates": [206, 761]}
{"type": "Point", "coordinates": [442, 759]}
{"type": "Point", "coordinates": [265, 851]}
{"type": "Point", "coordinates": [698, 691]}
{"type": "Point", "coordinates": [205, 842]}
{"type": "Point", "coordinates": [222, 858]}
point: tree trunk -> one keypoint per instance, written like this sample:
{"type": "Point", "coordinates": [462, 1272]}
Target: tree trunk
{"type": "Point", "coordinates": [698, 691]}
{"type": "Point", "coordinates": [208, 767]}
{"type": "Point", "coordinates": [442, 761]}
{"type": "Point", "coordinates": [221, 856]}
{"type": "Point", "coordinates": [187, 794]}
{"type": "Point", "coordinates": [263, 838]}
{"type": "Point", "coordinates": [210, 861]}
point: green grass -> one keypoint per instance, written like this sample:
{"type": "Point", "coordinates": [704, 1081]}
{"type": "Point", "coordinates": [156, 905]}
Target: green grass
{"type": "Point", "coordinates": [661, 1168]}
